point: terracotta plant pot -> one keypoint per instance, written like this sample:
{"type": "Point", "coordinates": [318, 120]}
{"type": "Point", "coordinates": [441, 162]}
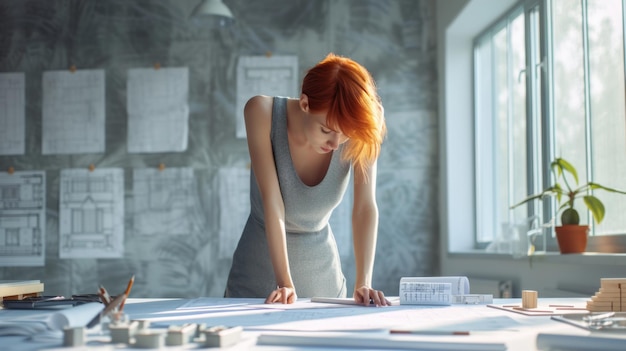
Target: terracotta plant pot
{"type": "Point", "coordinates": [572, 238]}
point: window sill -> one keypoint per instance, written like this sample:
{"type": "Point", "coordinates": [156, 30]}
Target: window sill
{"type": "Point", "coordinates": [591, 258]}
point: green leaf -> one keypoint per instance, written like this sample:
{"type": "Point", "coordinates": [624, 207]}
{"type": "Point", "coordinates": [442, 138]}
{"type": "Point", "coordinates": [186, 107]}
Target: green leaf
{"type": "Point", "coordinates": [558, 191]}
{"type": "Point", "coordinates": [593, 185]}
{"type": "Point", "coordinates": [568, 167]}
{"type": "Point", "coordinates": [596, 207]}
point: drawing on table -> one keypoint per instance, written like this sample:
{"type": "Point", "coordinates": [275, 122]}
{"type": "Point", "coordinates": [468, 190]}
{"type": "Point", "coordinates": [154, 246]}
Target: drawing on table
{"type": "Point", "coordinates": [272, 76]}
{"type": "Point", "coordinates": [22, 218]}
{"type": "Point", "coordinates": [163, 201]}
{"type": "Point", "coordinates": [91, 213]}
{"type": "Point", "coordinates": [12, 114]}
{"type": "Point", "coordinates": [158, 111]}
{"type": "Point", "coordinates": [73, 112]}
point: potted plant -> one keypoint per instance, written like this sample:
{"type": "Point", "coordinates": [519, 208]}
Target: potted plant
{"type": "Point", "coordinates": [570, 235]}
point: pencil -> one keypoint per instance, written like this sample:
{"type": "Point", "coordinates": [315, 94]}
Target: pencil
{"type": "Point", "coordinates": [127, 292]}
{"type": "Point", "coordinates": [104, 296]}
{"type": "Point", "coordinates": [108, 309]}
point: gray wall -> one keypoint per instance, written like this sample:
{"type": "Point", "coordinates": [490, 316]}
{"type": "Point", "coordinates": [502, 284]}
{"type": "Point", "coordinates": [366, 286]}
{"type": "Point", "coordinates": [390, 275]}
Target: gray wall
{"type": "Point", "coordinates": [394, 39]}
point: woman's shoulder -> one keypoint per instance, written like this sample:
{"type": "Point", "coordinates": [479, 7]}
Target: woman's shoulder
{"type": "Point", "coordinates": [259, 103]}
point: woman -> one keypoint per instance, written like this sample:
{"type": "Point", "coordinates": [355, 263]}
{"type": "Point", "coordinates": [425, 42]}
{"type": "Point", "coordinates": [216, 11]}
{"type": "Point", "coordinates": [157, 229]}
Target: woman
{"type": "Point", "coordinates": [302, 152]}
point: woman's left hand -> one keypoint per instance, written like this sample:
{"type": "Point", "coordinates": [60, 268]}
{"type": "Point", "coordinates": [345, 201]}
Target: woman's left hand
{"type": "Point", "coordinates": [367, 296]}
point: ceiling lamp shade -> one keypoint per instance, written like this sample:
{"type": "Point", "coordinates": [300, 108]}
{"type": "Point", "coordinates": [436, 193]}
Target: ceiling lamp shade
{"type": "Point", "coordinates": [212, 8]}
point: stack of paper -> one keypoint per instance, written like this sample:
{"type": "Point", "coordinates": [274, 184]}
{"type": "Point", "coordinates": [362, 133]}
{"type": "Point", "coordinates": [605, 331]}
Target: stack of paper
{"type": "Point", "coordinates": [38, 322]}
{"type": "Point", "coordinates": [19, 288]}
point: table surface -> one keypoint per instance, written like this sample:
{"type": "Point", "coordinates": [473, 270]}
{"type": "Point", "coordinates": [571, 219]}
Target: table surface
{"type": "Point", "coordinates": [486, 324]}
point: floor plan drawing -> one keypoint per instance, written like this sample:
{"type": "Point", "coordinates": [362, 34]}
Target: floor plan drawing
{"type": "Point", "coordinates": [91, 213]}
{"type": "Point", "coordinates": [22, 218]}
{"type": "Point", "coordinates": [158, 110]}
{"type": "Point", "coordinates": [73, 112]}
{"type": "Point", "coordinates": [12, 114]}
{"type": "Point", "coordinates": [163, 201]}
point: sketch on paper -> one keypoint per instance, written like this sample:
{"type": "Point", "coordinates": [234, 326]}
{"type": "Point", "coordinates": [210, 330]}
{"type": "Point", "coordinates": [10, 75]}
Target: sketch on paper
{"type": "Point", "coordinates": [163, 201]}
{"type": "Point", "coordinates": [272, 76]}
{"type": "Point", "coordinates": [91, 213]}
{"type": "Point", "coordinates": [234, 191]}
{"type": "Point", "coordinates": [73, 112]}
{"type": "Point", "coordinates": [158, 111]}
{"type": "Point", "coordinates": [12, 114]}
{"type": "Point", "coordinates": [22, 218]}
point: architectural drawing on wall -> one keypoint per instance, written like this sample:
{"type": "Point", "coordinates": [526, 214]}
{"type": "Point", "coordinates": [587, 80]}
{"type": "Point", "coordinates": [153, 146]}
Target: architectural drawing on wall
{"type": "Point", "coordinates": [264, 75]}
{"type": "Point", "coordinates": [73, 112]}
{"type": "Point", "coordinates": [12, 117]}
{"type": "Point", "coordinates": [234, 192]}
{"type": "Point", "coordinates": [158, 111]}
{"type": "Point", "coordinates": [91, 213]}
{"type": "Point", "coordinates": [163, 201]}
{"type": "Point", "coordinates": [22, 218]}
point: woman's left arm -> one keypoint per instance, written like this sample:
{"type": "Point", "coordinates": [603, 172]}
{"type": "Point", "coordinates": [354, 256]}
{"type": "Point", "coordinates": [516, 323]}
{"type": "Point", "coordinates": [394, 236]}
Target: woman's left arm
{"type": "Point", "coordinates": [364, 236]}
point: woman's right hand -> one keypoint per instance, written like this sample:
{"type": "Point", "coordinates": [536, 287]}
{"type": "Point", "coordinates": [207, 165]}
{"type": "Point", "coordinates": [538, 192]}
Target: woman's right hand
{"type": "Point", "coordinates": [282, 295]}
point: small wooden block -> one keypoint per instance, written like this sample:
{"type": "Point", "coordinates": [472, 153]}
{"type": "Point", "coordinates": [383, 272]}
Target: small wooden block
{"type": "Point", "coordinates": [74, 336]}
{"type": "Point", "coordinates": [180, 335]}
{"type": "Point", "coordinates": [123, 332]}
{"type": "Point", "coordinates": [221, 336]}
{"type": "Point", "coordinates": [609, 290]}
{"type": "Point", "coordinates": [608, 294]}
{"type": "Point", "coordinates": [529, 299]}
{"type": "Point", "coordinates": [149, 339]}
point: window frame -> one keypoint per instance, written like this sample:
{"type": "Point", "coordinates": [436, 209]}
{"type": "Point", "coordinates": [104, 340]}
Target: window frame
{"type": "Point", "coordinates": [538, 76]}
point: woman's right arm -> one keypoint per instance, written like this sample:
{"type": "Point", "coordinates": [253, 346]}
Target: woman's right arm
{"type": "Point", "coordinates": [258, 119]}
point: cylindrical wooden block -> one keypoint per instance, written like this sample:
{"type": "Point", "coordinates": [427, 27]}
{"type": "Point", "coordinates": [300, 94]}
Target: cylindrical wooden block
{"type": "Point", "coordinates": [529, 299]}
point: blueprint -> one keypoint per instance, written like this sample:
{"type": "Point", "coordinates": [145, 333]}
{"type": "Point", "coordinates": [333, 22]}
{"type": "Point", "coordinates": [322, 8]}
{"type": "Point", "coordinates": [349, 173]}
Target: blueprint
{"type": "Point", "coordinates": [163, 201]}
{"type": "Point", "coordinates": [91, 213]}
{"type": "Point", "coordinates": [12, 132]}
{"type": "Point", "coordinates": [158, 111]}
{"type": "Point", "coordinates": [263, 75]}
{"type": "Point", "coordinates": [73, 112]}
{"type": "Point", "coordinates": [22, 218]}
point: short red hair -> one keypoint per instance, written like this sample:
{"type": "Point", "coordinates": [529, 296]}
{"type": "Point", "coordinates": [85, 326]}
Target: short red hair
{"type": "Point", "coordinates": [346, 92]}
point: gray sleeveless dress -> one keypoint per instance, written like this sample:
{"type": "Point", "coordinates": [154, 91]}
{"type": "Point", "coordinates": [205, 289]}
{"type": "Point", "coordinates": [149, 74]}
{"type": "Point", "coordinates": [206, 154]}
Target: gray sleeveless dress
{"type": "Point", "coordinates": [312, 249]}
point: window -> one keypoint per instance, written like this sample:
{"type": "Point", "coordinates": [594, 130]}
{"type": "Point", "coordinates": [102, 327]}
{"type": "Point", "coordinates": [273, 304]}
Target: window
{"type": "Point", "coordinates": [549, 81]}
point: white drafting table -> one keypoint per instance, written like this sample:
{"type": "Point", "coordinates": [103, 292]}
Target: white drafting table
{"type": "Point", "coordinates": [517, 331]}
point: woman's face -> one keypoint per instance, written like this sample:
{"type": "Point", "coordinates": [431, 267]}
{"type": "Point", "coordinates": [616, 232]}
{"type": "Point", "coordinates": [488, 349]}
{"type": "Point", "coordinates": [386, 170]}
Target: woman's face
{"type": "Point", "coordinates": [322, 138]}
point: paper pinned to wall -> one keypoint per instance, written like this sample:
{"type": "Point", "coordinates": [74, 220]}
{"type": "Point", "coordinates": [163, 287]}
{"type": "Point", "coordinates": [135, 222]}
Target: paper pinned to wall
{"type": "Point", "coordinates": [163, 201]}
{"type": "Point", "coordinates": [91, 213]}
{"type": "Point", "coordinates": [22, 218]}
{"type": "Point", "coordinates": [12, 115]}
{"type": "Point", "coordinates": [264, 75]}
{"type": "Point", "coordinates": [73, 112]}
{"type": "Point", "coordinates": [158, 111]}
{"type": "Point", "coordinates": [234, 200]}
